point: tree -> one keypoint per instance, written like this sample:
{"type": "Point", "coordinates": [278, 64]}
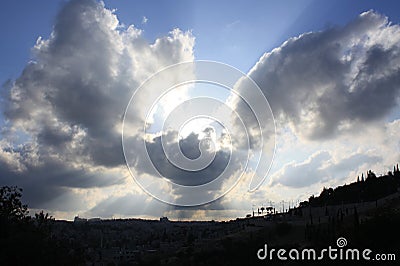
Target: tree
{"type": "Point", "coordinates": [43, 221]}
{"type": "Point", "coordinates": [27, 241]}
{"type": "Point", "coordinates": [11, 207]}
{"type": "Point", "coordinates": [371, 175]}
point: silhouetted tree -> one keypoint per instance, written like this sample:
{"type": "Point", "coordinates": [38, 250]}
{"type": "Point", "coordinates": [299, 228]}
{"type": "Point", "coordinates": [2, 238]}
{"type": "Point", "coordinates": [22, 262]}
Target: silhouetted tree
{"type": "Point", "coordinates": [27, 241]}
{"type": "Point", "coordinates": [371, 174]}
{"type": "Point", "coordinates": [396, 171]}
{"type": "Point", "coordinates": [370, 189]}
{"type": "Point", "coordinates": [11, 207]}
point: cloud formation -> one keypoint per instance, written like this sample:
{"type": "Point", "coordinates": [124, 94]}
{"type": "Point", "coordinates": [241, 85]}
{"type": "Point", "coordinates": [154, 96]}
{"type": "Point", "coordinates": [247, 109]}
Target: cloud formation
{"type": "Point", "coordinates": [64, 112]}
{"type": "Point", "coordinates": [320, 168]}
{"type": "Point", "coordinates": [190, 148]}
{"type": "Point", "coordinates": [328, 82]}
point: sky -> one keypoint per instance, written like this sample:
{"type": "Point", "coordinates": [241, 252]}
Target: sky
{"type": "Point", "coordinates": [329, 70]}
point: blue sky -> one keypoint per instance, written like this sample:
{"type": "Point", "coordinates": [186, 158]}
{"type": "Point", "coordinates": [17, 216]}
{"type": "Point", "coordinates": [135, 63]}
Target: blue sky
{"type": "Point", "coordinates": [333, 91]}
{"type": "Point", "coordinates": [233, 32]}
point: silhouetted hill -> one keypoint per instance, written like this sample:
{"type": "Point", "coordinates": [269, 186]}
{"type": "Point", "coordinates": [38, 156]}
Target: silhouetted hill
{"type": "Point", "coordinates": [366, 213]}
{"type": "Point", "coordinates": [370, 189]}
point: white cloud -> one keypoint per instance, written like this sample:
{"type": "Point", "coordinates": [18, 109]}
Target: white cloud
{"type": "Point", "coordinates": [321, 168]}
{"type": "Point", "coordinates": [144, 20]}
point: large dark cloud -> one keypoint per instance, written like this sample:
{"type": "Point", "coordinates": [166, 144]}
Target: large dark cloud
{"type": "Point", "coordinates": [64, 111]}
{"type": "Point", "coordinates": [189, 147]}
{"type": "Point", "coordinates": [48, 179]}
{"type": "Point", "coordinates": [83, 76]}
{"type": "Point", "coordinates": [328, 82]}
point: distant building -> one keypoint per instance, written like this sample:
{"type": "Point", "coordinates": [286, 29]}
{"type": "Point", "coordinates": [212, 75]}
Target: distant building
{"type": "Point", "coordinates": [79, 220]}
{"type": "Point", "coordinates": [164, 219]}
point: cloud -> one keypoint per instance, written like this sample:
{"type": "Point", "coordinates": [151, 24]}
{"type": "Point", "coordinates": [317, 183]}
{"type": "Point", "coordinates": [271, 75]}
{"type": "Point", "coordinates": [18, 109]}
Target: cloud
{"type": "Point", "coordinates": [128, 205]}
{"type": "Point", "coordinates": [134, 205]}
{"type": "Point", "coordinates": [163, 174]}
{"type": "Point", "coordinates": [329, 82]}
{"type": "Point", "coordinates": [190, 148]}
{"type": "Point", "coordinates": [64, 111]}
{"type": "Point", "coordinates": [320, 167]}
{"type": "Point", "coordinates": [302, 174]}
{"type": "Point", "coordinates": [62, 137]}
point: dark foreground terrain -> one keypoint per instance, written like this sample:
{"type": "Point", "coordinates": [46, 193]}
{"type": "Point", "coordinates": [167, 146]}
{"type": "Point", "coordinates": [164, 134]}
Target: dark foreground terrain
{"type": "Point", "coordinates": [366, 214]}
